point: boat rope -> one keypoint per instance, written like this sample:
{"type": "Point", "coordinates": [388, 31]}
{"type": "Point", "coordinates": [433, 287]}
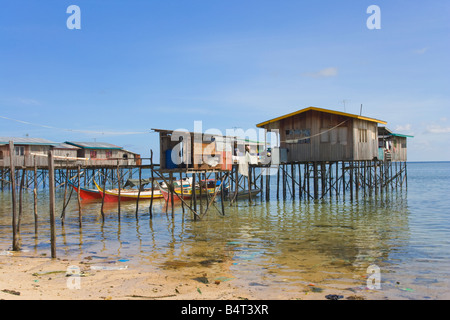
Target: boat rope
{"type": "Point", "coordinates": [314, 135]}
{"type": "Point", "coordinates": [111, 133]}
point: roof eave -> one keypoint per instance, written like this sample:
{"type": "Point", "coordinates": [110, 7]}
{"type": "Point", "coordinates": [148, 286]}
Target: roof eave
{"type": "Point", "coordinates": [259, 125]}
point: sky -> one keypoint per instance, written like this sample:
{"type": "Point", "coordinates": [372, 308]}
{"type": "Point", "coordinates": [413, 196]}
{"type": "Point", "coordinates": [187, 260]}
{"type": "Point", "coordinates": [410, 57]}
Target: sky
{"type": "Point", "coordinates": [142, 64]}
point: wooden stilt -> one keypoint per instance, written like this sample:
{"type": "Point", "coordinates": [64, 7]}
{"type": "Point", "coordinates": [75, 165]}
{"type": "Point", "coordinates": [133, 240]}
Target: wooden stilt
{"type": "Point", "coordinates": [300, 192]}
{"type": "Point", "coordinates": [139, 192]}
{"type": "Point", "coordinates": [182, 190]}
{"type": "Point", "coordinates": [222, 192]}
{"type": "Point", "coordinates": [63, 213]}
{"type": "Point", "coordinates": [153, 184]}
{"type": "Point", "coordinates": [119, 187]}
{"type": "Point", "coordinates": [22, 181]}
{"type": "Point", "coordinates": [103, 196]}
{"type": "Point", "coordinates": [12, 179]}
{"type": "Point", "coordinates": [316, 182]}
{"type": "Point", "coordinates": [201, 193]}
{"type": "Point", "coordinates": [194, 193]}
{"type": "Point", "coordinates": [278, 182]}
{"type": "Point", "coordinates": [51, 184]}
{"type": "Point", "coordinates": [78, 195]}
{"type": "Point", "coordinates": [171, 192]}
{"type": "Point", "coordinates": [35, 196]}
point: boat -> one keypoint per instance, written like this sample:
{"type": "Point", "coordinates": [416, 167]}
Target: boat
{"type": "Point", "coordinates": [243, 194]}
{"type": "Point", "coordinates": [87, 194]}
{"type": "Point", "coordinates": [209, 186]}
{"type": "Point", "coordinates": [112, 195]}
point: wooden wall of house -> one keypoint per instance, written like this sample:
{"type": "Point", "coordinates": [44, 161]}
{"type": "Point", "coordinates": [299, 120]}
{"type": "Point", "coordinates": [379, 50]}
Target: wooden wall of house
{"type": "Point", "coordinates": [65, 152]}
{"type": "Point", "coordinates": [27, 159]}
{"type": "Point", "coordinates": [331, 136]}
{"type": "Point", "coordinates": [168, 142]}
{"type": "Point", "coordinates": [399, 149]}
{"type": "Point", "coordinates": [40, 154]}
{"type": "Point", "coordinates": [365, 142]}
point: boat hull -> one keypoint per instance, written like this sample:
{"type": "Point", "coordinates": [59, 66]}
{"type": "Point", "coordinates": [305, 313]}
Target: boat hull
{"type": "Point", "coordinates": [128, 195]}
{"type": "Point", "coordinates": [87, 194]}
{"type": "Point", "coordinates": [187, 193]}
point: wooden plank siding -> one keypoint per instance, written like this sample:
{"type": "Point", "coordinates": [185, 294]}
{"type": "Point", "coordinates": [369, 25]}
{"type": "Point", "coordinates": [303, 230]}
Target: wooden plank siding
{"type": "Point", "coordinates": [332, 136]}
{"type": "Point", "coordinates": [365, 140]}
{"type": "Point", "coordinates": [399, 149]}
{"type": "Point", "coordinates": [41, 152]}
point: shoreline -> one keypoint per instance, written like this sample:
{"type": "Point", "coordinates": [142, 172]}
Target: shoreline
{"type": "Point", "coordinates": [43, 278]}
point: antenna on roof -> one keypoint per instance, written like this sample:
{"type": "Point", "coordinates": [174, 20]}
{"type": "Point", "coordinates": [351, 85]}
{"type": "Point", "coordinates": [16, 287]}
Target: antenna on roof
{"type": "Point", "coordinates": [360, 110]}
{"type": "Point", "coordinates": [344, 101]}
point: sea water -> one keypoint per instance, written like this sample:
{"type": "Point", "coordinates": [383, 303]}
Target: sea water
{"type": "Point", "coordinates": [279, 246]}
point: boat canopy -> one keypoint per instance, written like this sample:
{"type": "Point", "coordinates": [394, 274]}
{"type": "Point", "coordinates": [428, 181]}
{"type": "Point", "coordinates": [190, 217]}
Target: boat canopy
{"type": "Point", "coordinates": [135, 182]}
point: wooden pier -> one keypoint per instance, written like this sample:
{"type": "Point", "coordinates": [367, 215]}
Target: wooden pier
{"type": "Point", "coordinates": [322, 155]}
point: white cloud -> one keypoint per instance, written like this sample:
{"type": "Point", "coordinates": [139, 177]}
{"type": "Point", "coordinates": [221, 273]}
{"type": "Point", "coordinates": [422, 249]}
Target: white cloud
{"type": "Point", "coordinates": [403, 128]}
{"type": "Point", "coordinates": [324, 73]}
{"type": "Point", "coordinates": [28, 101]}
{"type": "Point", "coordinates": [437, 129]}
{"type": "Point", "coordinates": [421, 51]}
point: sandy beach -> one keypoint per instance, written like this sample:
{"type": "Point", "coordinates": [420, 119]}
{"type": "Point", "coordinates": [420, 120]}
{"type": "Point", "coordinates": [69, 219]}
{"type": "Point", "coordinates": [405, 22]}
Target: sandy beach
{"type": "Point", "coordinates": [42, 278]}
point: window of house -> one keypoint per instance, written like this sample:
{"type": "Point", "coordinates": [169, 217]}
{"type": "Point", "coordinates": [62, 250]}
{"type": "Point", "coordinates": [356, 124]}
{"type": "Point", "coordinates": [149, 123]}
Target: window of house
{"type": "Point", "coordinates": [333, 136]}
{"type": "Point", "coordinates": [20, 150]}
{"type": "Point", "coordinates": [1, 155]}
{"type": "Point", "coordinates": [93, 154]}
{"type": "Point", "coordinates": [304, 137]}
{"type": "Point", "coordinates": [289, 132]}
{"type": "Point", "coordinates": [324, 135]}
{"type": "Point", "coordinates": [363, 135]}
{"type": "Point", "coordinates": [108, 154]}
{"type": "Point", "coordinates": [342, 134]}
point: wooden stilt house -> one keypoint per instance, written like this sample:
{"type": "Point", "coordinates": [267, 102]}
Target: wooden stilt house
{"type": "Point", "coordinates": [316, 134]}
{"type": "Point", "coordinates": [392, 146]}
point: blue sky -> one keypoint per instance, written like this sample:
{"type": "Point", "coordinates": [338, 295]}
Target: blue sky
{"type": "Point", "coordinates": [141, 64]}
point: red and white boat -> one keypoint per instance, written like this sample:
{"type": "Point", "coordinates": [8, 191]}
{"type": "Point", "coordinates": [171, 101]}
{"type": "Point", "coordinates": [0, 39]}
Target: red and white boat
{"type": "Point", "coordinates": [87, 194]}
{"type": "Point", "coordinates": [112, 195]}
{"type": "Point", "coordinates": [209, 187]}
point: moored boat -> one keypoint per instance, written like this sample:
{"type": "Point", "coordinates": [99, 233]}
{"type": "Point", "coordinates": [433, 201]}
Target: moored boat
{"type": "Point", "coordinates": [87, 194]}
{"type": "Point", "coordinates": [208, 187]}
{"type": "Point", "coordinates": [112, 195]}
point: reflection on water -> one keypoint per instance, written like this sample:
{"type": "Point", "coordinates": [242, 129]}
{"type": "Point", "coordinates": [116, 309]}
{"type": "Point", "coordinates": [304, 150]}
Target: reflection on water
{"type": "Point", "coordinates": [276, 245]}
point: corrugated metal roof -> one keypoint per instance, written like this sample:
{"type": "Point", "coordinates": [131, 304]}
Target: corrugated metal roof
{"type": "Point", "coordinates": [93, 145]}
{"type": "Point", "coordinates": [259, 125]}
{"type": "Point", "coordinates": [26, 141]}
{"type": "Point", "coordinates": [383, 131]}
{"type": "Point", "coordinates": [401, 135]}
{"type": "Point", "coordinates": [65, 146]}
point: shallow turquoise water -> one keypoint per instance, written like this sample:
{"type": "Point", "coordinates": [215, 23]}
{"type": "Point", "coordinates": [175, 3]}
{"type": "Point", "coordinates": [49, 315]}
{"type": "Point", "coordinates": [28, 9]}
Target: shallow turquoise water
{"type": "Point", "coordinates": [276, 245]}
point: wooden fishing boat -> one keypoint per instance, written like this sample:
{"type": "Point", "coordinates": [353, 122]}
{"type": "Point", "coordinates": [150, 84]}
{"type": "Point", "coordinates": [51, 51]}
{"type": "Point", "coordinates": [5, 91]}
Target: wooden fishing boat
{"type": "Point", "coordinates": [87, 194]}
{"type": "Point", "coordinates": [243, 194]}
{"type": "Point", "coordinates": [208, 186]}
{"type": "Point", "coordinates": [112, 195]}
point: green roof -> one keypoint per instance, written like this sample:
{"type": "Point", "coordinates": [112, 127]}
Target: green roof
{"type": "Point", "coordinates": [94, 145]}
{"type": "Point", "coordinates": [400, 135]}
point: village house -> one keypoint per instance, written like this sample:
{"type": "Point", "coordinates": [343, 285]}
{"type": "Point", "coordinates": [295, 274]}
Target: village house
{"type": "Point", "coordinates": [316, 134]}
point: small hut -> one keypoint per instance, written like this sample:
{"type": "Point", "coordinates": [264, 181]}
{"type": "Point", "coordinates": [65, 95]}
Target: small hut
{"type": "Point", "coordinates": [392, 146]}
{"type": "Point", "coordinates": [26, 149]}
{"type": "Point", "coordinates": [316, 134]}
{"type": "Point", "coordinates": [194, 151]}
{"type": "Point", "coordinates": [102, 153]}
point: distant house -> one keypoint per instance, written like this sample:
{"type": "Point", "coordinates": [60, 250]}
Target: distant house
{"type": "Point", "coordinates": [26, 151]}
{"type": "Point", "coordinates": [316, 134]}
{"type": "Point", "coordinates": [203, 151]}
{"type": "Point", "coordinates": [196, 151]}
{"type": "Point", "coordinates": [98, 153]}
{"type": "Point", "coordinates": [392, 146]}
{"type": "Point", "coordinates": [31, 151]}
